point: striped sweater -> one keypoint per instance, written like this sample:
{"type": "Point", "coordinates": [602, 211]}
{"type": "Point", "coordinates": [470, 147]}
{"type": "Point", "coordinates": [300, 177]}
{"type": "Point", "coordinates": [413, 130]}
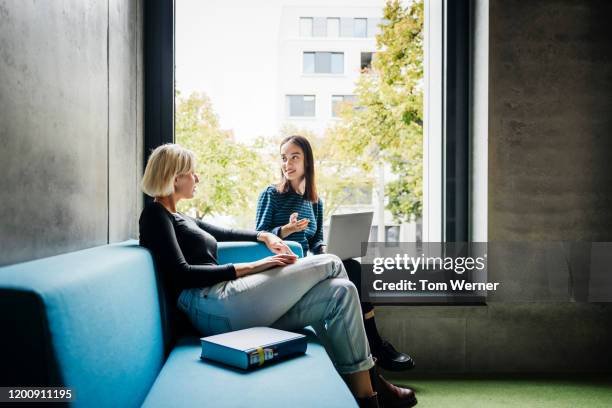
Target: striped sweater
{"type": "Point", "coordinates": [274, 210]}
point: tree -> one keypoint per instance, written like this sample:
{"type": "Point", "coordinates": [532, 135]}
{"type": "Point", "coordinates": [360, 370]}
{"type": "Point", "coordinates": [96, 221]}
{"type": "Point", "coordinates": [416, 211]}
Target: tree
{"type": "Point", "coordinates": [231, 174]}
{"type": "Point", "coordinates": [386, 123]}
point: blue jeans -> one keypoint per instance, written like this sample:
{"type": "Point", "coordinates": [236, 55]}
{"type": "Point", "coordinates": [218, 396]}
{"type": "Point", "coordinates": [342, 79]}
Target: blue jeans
{"type": "Point", "coordinates": [314, 291]}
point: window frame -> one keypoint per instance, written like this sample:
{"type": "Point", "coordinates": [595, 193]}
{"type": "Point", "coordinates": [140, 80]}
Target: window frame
{"type": "Point", "coordinates": [159, 54]}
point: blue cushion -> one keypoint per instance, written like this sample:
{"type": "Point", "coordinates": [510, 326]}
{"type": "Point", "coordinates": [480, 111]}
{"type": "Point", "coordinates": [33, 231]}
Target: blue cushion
{"type": "Point", "coordinates": [236, 252]}
{"type": "Point", "coordinates": [305, 381]}
{"type": "Point", "coordinates": [88, 320]}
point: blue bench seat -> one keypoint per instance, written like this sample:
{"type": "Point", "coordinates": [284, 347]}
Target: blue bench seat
{"type": "Point", "coordinates": [92, 320]}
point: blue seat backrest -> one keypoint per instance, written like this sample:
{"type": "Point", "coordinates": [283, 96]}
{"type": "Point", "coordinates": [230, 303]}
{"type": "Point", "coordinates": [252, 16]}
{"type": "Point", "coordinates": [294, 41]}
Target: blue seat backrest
{"type": "Point", "coordinates": [89, 320]}
{"type": "Point", "coordinates": [236, 252]}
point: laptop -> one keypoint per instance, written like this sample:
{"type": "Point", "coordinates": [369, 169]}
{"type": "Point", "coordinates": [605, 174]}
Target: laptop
{"type": "Point", "coordinates": [347, 232]}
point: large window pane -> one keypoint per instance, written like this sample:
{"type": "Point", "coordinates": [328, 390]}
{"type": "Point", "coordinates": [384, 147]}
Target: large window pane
{"type": "Point", "coordinates": [333, 27]}
{"type": "Point", "coordinates": [319, 28]}
{"type": "Point", "coordinates": [360, 28]}
{"type": "Point", "coordinates": [306, 27]}
{"type": "Point", "coordinates": [323, 62]}
{"type": "Point", "coordinates": [309, 63]}
{"type": "Point", "coordinates": [337, 63]}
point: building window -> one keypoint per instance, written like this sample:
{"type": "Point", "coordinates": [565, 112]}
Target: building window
{"type": "Point", "coordinates": [337, 101]}
{"type": "Point", "coordinates": [305, 26]}
{"type": "Point", "coordinates": [337, 62]}
{"type": "Point", "coordinates": [392, 233]}
{"type": "Point", "coordinates": [323, 62]}
{"type": "Point", "coordinates": [346, 27]}
{"type": "Point", "coordinates": [373, 27]}
{"type": "Point", "coordinates": [309, 63]}
{"type": "Point", "coordinates": [360, 27]}
{"type": "Point", "coordinates": [333, 27]}
{"type": "Point", "coordinates": [319, 27]}
{"type": "Point", "coordinates": [301, 105]}
{"type": "Point", "coordinates": [366, 60]}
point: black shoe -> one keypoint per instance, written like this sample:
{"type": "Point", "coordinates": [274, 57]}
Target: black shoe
{"type": "Point", "coordinates": [390, 395]}
{"type": "Point", "coordinates": [390, 359]}
{"type": "Point", "coordinates": [368, 402]}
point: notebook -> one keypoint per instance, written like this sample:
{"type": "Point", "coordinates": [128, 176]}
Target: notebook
{"type": "Point", "coordinates": [253, 347]}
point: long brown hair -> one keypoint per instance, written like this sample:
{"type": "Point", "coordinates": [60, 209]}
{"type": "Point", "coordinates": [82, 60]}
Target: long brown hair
{"type": "Point", "coordinates": [284, 185]}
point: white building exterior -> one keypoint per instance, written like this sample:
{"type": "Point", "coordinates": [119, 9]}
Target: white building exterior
{"type": "Point", "coordinates": [320, 56]}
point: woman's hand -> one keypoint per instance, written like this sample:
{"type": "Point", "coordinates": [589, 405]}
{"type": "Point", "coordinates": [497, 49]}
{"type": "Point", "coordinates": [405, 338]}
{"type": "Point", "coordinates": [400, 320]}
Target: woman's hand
{"type": "Point", "coordinates": [274, 243]}
{"type": "Point", "coordinates": [294, 225]}
{"type": "Point", "coordinates": [243, 269]}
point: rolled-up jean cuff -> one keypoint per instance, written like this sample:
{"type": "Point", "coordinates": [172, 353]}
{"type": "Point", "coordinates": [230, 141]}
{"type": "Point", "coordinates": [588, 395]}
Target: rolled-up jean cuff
{"type": "Point", "coordinates": [357, 367]}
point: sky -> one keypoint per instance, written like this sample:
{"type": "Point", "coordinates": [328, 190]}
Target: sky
{"type": "Point", "coordinates": [229, 50]}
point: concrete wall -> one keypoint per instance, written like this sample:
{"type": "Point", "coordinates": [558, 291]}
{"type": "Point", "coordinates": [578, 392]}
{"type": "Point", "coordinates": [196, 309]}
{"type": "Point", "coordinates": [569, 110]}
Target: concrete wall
{"type": "Point", "coordinates": [70, 124]}
{"type": "Point", "coordinates": [549, 179]}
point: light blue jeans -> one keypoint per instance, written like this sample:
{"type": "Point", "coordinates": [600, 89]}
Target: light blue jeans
{"type": "Point", "coordinates": [314, 291]}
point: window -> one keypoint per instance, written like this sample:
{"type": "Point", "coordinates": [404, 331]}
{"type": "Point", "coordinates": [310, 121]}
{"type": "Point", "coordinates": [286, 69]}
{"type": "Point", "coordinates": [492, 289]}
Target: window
{"type": "Point", "coordinates": [337, 62]}
{"type": "Point", "coordinates": [301, 105]}
{"type": "Point", "coordinates": [309, 63]}
{"type": "Point", "coordinates": [360, 27]}
{"type": "Point", "coordinates": [323, 62]}
{"type": "Point", "coordinates": [366, 60]}
{"type": "Point", "coordinates": [392, 233]}
{"type": "Point", "coordinates": [319, 27]}
{"type": "Point", "coordinates": [346, 27]}
{"type": "Point", "coordinates": [333, 27]}
{"type": "Point", "coordinates": [337, 100]}
{"type": "Point", "coordinates": [306, 27]}
{"type": "Point", "coordinates": [373, 27]}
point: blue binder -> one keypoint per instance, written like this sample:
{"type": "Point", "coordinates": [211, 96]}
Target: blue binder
{"type": "Point", "coordinates": [252, 347]}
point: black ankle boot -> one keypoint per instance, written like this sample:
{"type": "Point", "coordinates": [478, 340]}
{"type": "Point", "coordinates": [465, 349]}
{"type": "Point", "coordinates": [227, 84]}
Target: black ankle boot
{"type": "Point", "coordinates": [368, 402]}
{"type": "Point", "coordinates": [389, 395]}
{"type": "Point", "coordinates": [391, 359]}
{"type": "Point", "coordinates": [388, 357]}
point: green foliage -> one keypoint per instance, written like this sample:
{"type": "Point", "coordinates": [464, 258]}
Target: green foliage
{"type": "Point", "coordinates": [386, 126]}
{"type": "Point", "coordinates": [231, 174]}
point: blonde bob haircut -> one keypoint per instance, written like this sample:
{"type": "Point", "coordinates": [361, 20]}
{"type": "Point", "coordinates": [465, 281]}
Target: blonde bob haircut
{"type": "Point", "coordinates": [165, 163]}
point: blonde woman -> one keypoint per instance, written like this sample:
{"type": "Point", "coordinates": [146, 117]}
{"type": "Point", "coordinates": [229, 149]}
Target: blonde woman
{"type": "Point", "coordinates": [279, 291]}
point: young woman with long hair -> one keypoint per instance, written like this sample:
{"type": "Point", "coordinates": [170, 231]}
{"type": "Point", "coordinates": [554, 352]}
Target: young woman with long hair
{"type": "Point", "coordinates": [292, 210]}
